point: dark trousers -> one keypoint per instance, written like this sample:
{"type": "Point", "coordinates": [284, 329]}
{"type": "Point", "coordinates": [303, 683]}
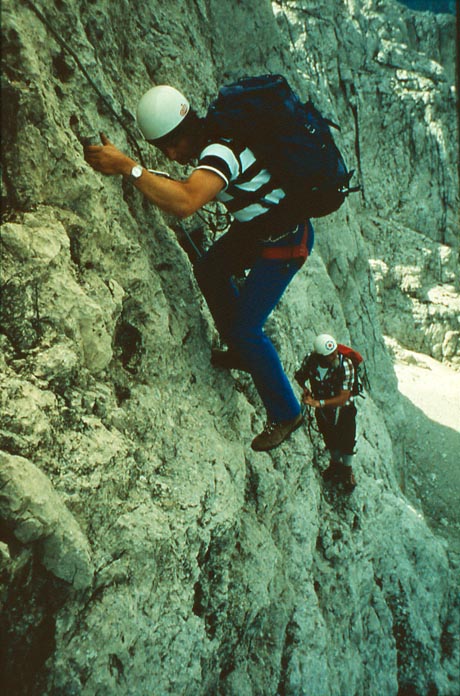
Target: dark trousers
{"type": "Point", "coordinates": [338, 429]}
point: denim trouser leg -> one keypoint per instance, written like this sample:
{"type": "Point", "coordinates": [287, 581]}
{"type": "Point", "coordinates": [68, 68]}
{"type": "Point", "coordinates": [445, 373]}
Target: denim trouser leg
{"type": "Point", "coordinates": [264, 286]}
{"type": "Point", "coordinates": [240, 317]}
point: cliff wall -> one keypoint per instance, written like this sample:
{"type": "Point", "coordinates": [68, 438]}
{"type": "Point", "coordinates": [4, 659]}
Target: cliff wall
{"type": "Point", "coordinates": [145, 549]}
{"type": "Point", "coordinates": [390, 75]}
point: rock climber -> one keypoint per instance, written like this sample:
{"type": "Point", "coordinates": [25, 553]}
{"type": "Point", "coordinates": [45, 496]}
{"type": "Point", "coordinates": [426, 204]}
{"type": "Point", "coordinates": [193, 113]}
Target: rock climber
{"type": "Point", "coordinates": [268, 239]}
{"type": "Point", "coordinates": [331, 376]}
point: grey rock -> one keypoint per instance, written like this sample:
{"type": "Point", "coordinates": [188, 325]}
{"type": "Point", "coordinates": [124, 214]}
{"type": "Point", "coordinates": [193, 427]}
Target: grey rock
{"type": "Point", "coordinates": [218, 570]}
{"type": "Point", "coordinates": [35, 513]}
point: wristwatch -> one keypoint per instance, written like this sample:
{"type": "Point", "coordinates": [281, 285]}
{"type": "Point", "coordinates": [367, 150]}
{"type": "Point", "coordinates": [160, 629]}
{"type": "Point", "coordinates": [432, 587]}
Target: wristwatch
{"type": "Point", "coordinates": [136, 172]}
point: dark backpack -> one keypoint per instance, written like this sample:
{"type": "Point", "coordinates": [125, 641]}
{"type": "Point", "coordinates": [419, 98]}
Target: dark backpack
{"type": "Point", "coordinates": [361, 381]}
{"type": "Point", "coordinates": [293, 140]}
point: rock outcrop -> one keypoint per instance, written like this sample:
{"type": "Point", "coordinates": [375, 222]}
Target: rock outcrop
{"type": "Point", "coordinates": [145, 548]}
{"type": "Point", "coordinates": [36, 515]}
{"type": "Point", "coordinates": [390, 78]}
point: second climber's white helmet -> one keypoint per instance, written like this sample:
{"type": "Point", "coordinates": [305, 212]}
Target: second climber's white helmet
{"type": "Point", "coordinates": [324, 344]}
{"type": "Point", "coordinates": [160, 111]}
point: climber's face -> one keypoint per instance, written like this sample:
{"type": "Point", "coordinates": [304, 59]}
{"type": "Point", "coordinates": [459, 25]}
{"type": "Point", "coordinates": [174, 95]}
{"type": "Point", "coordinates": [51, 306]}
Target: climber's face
{"type": "Point", "coordinates": [328, 360]}
{"type": "Point", "coordinates": [181, 150]}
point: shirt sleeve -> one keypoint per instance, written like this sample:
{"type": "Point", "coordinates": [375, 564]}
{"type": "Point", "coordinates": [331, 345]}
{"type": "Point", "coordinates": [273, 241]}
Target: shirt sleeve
{"type": "Point", "coordinates": [220, 158]}
{"type": "Point", "coordinates": [348, 375]}
{"type": "Point", "coordinates": [303, 373]}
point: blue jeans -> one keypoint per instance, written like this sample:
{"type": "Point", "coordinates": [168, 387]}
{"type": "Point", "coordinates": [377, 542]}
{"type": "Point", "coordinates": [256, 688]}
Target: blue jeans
{"type": "Point", "coordinates": [241, 312]}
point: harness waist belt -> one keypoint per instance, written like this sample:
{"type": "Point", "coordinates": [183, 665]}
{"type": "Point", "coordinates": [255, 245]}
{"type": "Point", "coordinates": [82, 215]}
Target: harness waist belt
{"type": "Point", "coordinates": [285, 253]}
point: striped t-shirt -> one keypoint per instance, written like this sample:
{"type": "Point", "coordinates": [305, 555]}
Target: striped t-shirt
{"type": "Point", "coordinates": [250, 190]}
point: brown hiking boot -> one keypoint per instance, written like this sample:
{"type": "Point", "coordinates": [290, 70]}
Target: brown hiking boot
{"type": "Point", "coordinates": [332, 472]}
{"type": "Point", "coordinates": [347, 479]}
{"type": "Point", "coordinates": [275, 433]}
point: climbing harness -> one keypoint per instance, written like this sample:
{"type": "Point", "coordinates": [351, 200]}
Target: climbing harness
{"type": "Point", "coordinates": [287, 253]}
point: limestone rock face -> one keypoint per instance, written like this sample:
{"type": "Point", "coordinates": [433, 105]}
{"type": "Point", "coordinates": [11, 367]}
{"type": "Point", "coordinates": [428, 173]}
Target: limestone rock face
{"type": "Point", "coordinates": [389, 77]}
{"type": "Point", "coordinates": [145, 548]}
{"type": "Point", "coordinates": [35, 513]}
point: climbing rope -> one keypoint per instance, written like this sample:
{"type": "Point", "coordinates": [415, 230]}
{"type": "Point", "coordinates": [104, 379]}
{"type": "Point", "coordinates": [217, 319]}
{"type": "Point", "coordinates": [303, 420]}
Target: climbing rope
{"type": "Point", "coordinates": [65, 46]}
{"type": "Point", "coordinates": [216, 226]}
{"type": "Point", "coordinates": [307, 412]}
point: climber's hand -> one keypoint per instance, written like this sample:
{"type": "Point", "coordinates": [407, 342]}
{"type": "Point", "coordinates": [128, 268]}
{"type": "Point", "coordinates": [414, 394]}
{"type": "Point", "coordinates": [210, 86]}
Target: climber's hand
{"type": "Point", "coordinates": [107, 158]}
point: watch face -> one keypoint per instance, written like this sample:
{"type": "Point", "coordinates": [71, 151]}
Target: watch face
{"type": "Point", "coordinates": [136, 171]}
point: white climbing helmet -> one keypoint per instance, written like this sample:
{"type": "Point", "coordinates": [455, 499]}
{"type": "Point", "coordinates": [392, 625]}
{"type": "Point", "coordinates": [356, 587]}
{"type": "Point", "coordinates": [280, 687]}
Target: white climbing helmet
{"type": "Point", "coordinates": [160, 111]}
{"type": "Point", "coordinates": [324, 344]}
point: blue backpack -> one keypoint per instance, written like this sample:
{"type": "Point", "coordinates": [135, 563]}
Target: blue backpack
{"type": "Point", "coordinates": [293, 140]}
